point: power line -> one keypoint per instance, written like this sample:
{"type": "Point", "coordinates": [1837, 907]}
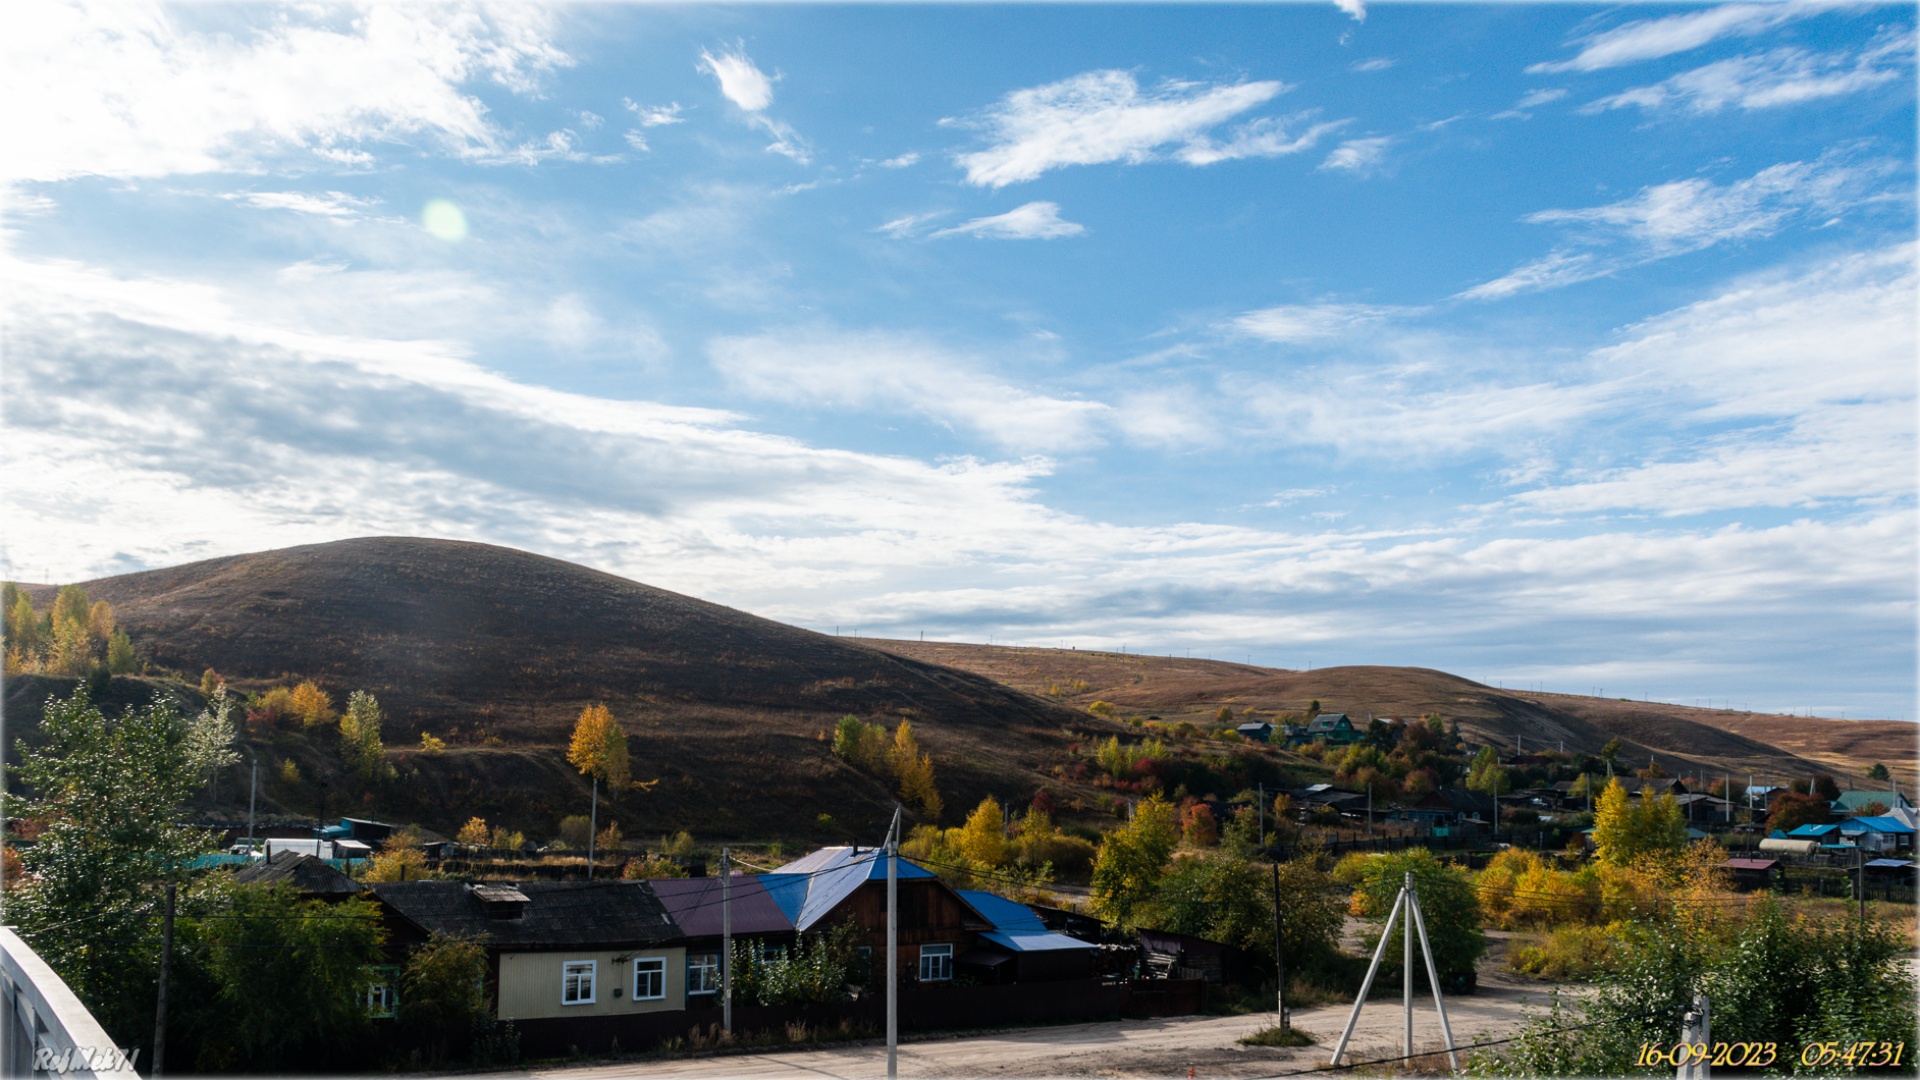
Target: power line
{"type": "Point", "coordinates": [1469, 1046]}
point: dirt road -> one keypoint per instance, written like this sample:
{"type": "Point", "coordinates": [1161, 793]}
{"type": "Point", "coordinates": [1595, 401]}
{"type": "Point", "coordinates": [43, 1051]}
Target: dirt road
{"type": "Point", "coordinates": [1126, 1048]}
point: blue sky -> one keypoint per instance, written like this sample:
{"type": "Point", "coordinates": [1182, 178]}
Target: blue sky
{"type": "Point", "coordinates": [1551, 345]}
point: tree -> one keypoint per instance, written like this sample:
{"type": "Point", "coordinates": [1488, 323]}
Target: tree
{"type": "Point", "coordinates": [1127, 870]}
{"type": "Point", "coordinates": [1448, 901]}
{"type": "Point", "coordinates": [100, 623]}
{"type": "Point", "coordinates": [311, 705]}
{"type": "Point", "coordinates": [1488, 775]}
{"type": "Point", "coordinates": [1199, 828]}
{"type": "Point", "coordinates": [443, 992]}
{"type": "Point", "coordinates": [983, 839]}
{"type": "Point", "coordinates": [208, 680]}
{"type": "Point", "coordinates": [70, 606]}
{"type": "Point", "coordinates": [360, 736]}
{"type": "Point", "coordinates": [292, 977]}
{"type": "Point", "coordinates": [574, 830]}
{"type": "Point", "coordinates": [1826, 787]}
{"type": "Point", "coordinates": [915, 772]}
{"type": "Point", "coordinates": [1610, 754]}
{"type": "Point", "coordinates": [860, 744]}
{"type": "Point", "coordinates": [1224, 716]}
{"type": "Point", "coordinates": [72, 651]}
{"type": "Point", "coordinates": [211, 735]}
{"type": "Point", "coordinates": [1871, 808]}
{"type": "Point", "coordinates": [120, 658]}
{"type": "Point", "coordinates": [599, 747]}
{"type": "Point", "coordinates": [397, 863]}
{"type": "Point", "coordinates": [110, 792]}
{"type": "Point", "coordinates": [1623, 830]}
{"type": "Point", "coordinates": [431, 743]}
{"type": "Point", "coordinates": [1879, 772]}
{"type": "Point", "coordinates": [475, 833]}
{"type": "Point", "coordinates": [1792, 809]}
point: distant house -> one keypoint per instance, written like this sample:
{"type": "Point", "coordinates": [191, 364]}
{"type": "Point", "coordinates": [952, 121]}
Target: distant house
{"type": "Point", "coordinates": [301, 872]}
{"type": "Point", "coordinates": [1450, 807]}
{"type": "Point", "coordinates": [1258, 731]}
{"type": "Point", "coordinates": [1851, 802]}
{"type": "Point", "coordinates": [1751, 874]}
{"type": "Point", "coordinates": [559, 950]}
{"type": "Point", "coordinates": [1332, 728]}
{"type": "Point", "coordinates": [838, 884]}
{"type": "Point", "coordinates": [1883, 833]}
{"type": "Point", "coordinates": [1654, 787]}
{"type": "Point", "coordinates": [1020, 948]}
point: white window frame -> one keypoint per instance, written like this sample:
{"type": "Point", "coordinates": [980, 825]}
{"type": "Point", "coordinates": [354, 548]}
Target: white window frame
{"type": "Point", "coordinates": [570, 977]}
{"type": "Point", "coordinates": [657, 968]}
{"type": "Point", "coordinates": [941, 958]}
{"type": "Point", "coordinates": [703, 973]}
{"type": "Point", "coordinates": [383, 998]}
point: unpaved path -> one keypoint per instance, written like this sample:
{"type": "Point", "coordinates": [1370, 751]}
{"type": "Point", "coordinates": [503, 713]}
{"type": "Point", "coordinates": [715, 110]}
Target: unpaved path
{"type": "Point", "coordinates": [1125, 1048]}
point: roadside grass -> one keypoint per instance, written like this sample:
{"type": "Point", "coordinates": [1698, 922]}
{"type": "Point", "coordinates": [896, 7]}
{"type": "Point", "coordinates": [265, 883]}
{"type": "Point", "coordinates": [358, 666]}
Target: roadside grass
{"type": "Point", "coordinates": [1278, 1036]}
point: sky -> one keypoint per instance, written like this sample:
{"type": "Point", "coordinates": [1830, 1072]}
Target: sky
{"type": "Point", "coordinates": [1557, 346]}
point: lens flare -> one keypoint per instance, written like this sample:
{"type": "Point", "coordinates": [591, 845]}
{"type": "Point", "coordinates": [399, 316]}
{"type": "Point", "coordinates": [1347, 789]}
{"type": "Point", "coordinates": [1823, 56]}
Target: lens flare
{"type": "Point", "coordinates": [444, 220]}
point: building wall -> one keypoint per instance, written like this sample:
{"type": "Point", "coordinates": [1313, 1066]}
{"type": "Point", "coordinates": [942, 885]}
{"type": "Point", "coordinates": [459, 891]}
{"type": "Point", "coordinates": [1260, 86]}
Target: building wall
{"type": "Point", "coordinates": [530, 983]}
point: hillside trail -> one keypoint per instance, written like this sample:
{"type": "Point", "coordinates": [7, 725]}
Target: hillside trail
{"type": "Point", "coordinates": [1126, 1048]}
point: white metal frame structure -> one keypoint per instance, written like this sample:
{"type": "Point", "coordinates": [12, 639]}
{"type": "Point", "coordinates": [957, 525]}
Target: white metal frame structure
{"type": "Point", "coordinates": [45, 1021]}
{"type": "Point", "coordinates": [1407, 904]}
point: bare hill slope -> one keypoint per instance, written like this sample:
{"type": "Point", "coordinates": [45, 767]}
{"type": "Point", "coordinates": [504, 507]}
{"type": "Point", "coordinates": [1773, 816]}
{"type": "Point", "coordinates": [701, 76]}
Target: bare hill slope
{"type": "Point", "coordinates": [1681, 738]}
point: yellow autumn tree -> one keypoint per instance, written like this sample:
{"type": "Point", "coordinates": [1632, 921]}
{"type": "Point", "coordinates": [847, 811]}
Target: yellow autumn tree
{"type": "Point", "coordinates": [100, 622]}
{"type": "Point", "coordinates": [1624, 831]}
{"type": "Point", "coordinates": [599, 747]}
{"type": "Point", "coordinates": [983, 839]}
{"type": "Point", "coordinates": [474, 833]}
{"type": "Point", "coordinates": [311, 705]}
{"type": "Point", "coordinates": [914, 770]}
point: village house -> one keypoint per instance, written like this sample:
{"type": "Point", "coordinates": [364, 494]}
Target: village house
{"type": "Point", "coordinates": [695, 905]}
{"type": "Point", "coordinates": [1334, 729]}
{"type": "Point", "coordinates": [849, 884]}
{"type": "Point", "coordinates": [1020, 948]}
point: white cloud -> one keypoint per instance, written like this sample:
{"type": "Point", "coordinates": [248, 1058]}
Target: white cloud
{"type": "Point", "coordinates": [1098, 117]}
{"type": "Point", "coordinates": [1536, 98]}
{"type": "Point", "coordinates": [1549, 272]}
{"type": "Point", "coordinates": [751, 90]}
{"type": "Point", "coordinates": [1649, 39]}
{"type": "Point", "coordinates": [1688, 215]}
{"type": "Point", "coordinates": [1358, 155]}
{"type": "Point", "coordinates": [1377, 63]}
{"type": "Point", "coordinates": [1266, 137]}
{"type": "Point", "coordinates": [1033, 221]}
{"type": "Point", "coordinates": [125, 90]}
{"type": "Point", "coordinates": [660, 115]}
{"type": "Point", "coordinates": [1292, 323]}
{"type": "Point", "coordinates": [903, 161]}
{"type": "Point", "coordinates": [897, 372]}
{"type": "Point", "coordinates": [1769, 80]}
{"type": "Point", "coordinates": [332, 204]}
{"type": "Point", "coordinates": [740, 81]}
{"type": "Point", "coordinates": [638, 141]}
{"type": "Point", "coordinates": [1355, 9]}
{"type": "Point", "coordinates": [908, 224]}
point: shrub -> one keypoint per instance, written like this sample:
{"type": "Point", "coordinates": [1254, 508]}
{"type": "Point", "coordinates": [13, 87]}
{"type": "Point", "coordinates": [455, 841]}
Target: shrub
{"type": "Point", "coordinates": [1568, 952]}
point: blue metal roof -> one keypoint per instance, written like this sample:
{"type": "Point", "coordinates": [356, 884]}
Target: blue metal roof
{"type": "Point", "coordinates": [1808, 831]}
{"type": "Point", "coordinates": [1045, 941]}
{"type": "Point", "coordinates": [1015, 927]}
{"type": "Point", "coordinates": [1880, 824]}
{"type": "Point", "coordinates": [811, 886]}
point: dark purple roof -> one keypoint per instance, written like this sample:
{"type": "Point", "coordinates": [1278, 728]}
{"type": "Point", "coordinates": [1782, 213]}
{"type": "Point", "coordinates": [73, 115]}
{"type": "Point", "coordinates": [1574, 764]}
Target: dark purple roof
{"type": "Point", "coordinates": [694, 904]}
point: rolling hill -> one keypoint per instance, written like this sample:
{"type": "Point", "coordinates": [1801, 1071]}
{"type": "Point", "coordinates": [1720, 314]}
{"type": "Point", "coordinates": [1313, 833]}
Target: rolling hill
{"type": "Point", "coordinates": [496, 650]}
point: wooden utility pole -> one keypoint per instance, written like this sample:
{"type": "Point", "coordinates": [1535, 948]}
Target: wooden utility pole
{"type": "Point", "coordinates": [593, 826]}
{"type": "Point", "coordinates": [893, 948]}
{"type": "Point", "coordinates": [726, 940]}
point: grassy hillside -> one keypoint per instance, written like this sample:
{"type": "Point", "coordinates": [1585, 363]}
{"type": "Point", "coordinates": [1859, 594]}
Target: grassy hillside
{"type": "Point", "coordinates": [1681, 738]}
{"type": "Point", "coordinates": [496, 651]}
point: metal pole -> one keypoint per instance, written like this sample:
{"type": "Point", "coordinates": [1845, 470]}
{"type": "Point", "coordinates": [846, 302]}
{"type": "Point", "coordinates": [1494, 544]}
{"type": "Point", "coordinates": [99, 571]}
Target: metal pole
{"type": "Point", "coordinates": [1406, 967]}
{"type": "Point", "coordinates": [726, 940]}
{"type": "Point", "coordinates": [1279, 953]}
{"type": "Point", "coordinates": [1262, 805]}
{"type": "Point", "coordinates": [593, 826]}
{"type": "Point", "coordinates": [893, 948]}
{"type": "Point", "coordinates": [1860, 870]}
{"type": "Point", "coordinates": [1433, 977]}
{"type": "Point", "coordinates": [1697, 1027]}
{"type": "Point", "coordinates": [1379, 950]}
{"type": "Point", "coordinates": [160, 1004]}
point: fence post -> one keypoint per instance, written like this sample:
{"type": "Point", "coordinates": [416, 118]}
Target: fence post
{"type": "Point", "coordinates": [1697, 1027]}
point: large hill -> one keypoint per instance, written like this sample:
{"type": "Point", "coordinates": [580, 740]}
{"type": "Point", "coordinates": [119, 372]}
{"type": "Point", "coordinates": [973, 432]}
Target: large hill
{"type": "Point", "coordinates": [496, 651]}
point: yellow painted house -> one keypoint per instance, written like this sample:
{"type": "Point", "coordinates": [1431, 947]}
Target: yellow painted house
{"type": "Point", "coordinates": [559, 949]}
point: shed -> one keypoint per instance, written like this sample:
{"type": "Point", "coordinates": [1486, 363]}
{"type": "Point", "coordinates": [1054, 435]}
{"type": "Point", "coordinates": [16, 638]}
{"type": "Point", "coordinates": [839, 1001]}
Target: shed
{"type": "Point", "coordinates": [1258, 731]}
{"type": "Point", "coordinates": [1749, 874]}
{"type": "Point", "coordinates": [304, 873]}
{"type": "Point", "coordinates": [1020, 948]}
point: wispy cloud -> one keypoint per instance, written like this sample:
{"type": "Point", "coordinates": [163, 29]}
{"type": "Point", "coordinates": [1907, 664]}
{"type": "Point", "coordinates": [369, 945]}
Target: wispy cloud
{"type": "Point", "coordinates": [1649, 39]}
{"type": "Point", "coordinates": [903, 161]}
{"type": "Point", "coordinates": [1373, 64]}
{"type": "Point", "coordinates": [751, 91]}
{"type": "Point", "coordinates": [1102, 116]}
{"type": "Point", "coordinates": [1033, 221]}
{"type": "Point", "coordinates": [128, 91]}
{"type": "Point", "coordinates": [1293, 323]}
{"type": "Point", "coordinates": [1269, 136]}
{"type": "Point", "coordinates": [1772, 79]}
{"type": "Point", "coordinates": [909, 224]}
{"type": "Point", "coordinates": [660, 115]}
{"type": "Point", "coordinates": [332, 204]}
{"type": "Point", "coordinates": [902, 373]}
{"type": "Point", "coordinates": [1358, 155]}
{"type": "Point", "coordinates": [1686, 215]}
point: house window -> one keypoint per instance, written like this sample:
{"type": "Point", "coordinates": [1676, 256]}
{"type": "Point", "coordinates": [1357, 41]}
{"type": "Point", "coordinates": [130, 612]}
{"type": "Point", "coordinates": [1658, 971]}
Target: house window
{"type": "Point", "coordinates": [576, 982]}
{"type": "Point", "coordinates": [936, 963]}
{"type": "Point", "coordinates": [772, 953]}
{"type": "Point", "coordinates": [383, 997]}
{"type": "Point", "coordinates": [649, 978]}
{"type": "Point", "coordinates": [703, 973]}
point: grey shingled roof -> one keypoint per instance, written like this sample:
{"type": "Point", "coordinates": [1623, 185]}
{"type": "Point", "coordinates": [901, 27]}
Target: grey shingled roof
{"type": "Point", "coordinates": [558, 914]}
{"type": "Point", "coordinates": [302, 871]}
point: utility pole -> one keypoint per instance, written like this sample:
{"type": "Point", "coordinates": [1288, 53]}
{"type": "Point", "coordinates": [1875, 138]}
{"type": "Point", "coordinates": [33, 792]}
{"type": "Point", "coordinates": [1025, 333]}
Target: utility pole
{"type": "Point", "coordinates": [160, 1004]}
{"type": "Point", "coordinates": [1406, 965]}
{"type": "Point", "coordinates": [893, 948]}
{"type": "Point", "coordinates": [726, 940]}
{"type": "Point", "coordinates": [1261, 808]}
{"type": "Point", "coordinates": [252, 789]}
{"type": "Point", "coordinates": [1279, 953]}
{"type": "Point", "coordinates": [593, 826]}
{"type": "Point", "coordinates": [1369, 809]}
{"type": "Point", "coordinates": [1696, 1027]}
{"type": "Point", "coordinates": [1407, 904]}
{"type": "Point", "coordinates": [1860, 871]}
